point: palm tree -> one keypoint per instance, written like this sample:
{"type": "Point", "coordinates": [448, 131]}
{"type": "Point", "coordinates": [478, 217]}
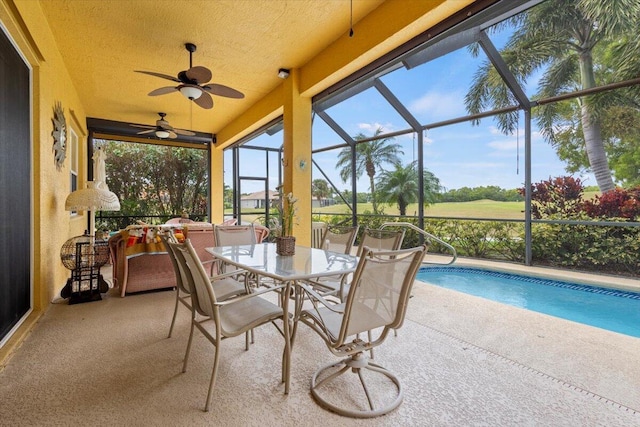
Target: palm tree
{"type": "Point", "coordinates": [320, 190]}
{"type": "Point", "coordinates": [370, 156]}
{"type": "Point", "coordinates": [401, 186]}
{"type": "Point", "coordinates": [563, 35]}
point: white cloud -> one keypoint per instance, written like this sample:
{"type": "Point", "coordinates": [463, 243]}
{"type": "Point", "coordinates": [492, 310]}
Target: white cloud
{"type": "Point", "coordinates": [439, 105]}
{"type": "Point", "coordinates": [467, 165]}
{"type": "Point", "coordinates": [370, 128]}
{"type": "Point", "coordinates": [505, 145]}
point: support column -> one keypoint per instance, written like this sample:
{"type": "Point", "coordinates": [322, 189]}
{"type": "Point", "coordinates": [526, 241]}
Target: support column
{"type": "Point", "coordinates": [297, 154]}
{"type": "Point", "coordinates": [216, 177]}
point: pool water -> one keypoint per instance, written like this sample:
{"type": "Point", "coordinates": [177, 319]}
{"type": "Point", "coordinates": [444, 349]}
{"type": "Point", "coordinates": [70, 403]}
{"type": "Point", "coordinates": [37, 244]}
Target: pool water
{"type": "Point", "coordinates": [611, 309]}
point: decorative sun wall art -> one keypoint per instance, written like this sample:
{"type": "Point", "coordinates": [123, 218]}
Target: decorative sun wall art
{"type": "Point", "coordinates": [59, 134]}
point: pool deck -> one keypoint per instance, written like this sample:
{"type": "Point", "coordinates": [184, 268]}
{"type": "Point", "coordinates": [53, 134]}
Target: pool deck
{"type": "Point", "coordinates": [463, 360]}
{"type": "Point", "coordinates": [596, 362]}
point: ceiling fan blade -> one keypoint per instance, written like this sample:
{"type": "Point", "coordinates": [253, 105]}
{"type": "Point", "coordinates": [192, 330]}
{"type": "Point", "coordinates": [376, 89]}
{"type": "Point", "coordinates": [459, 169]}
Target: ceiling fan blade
{"type": "Point", "coordinates": [184, 132]}
{"type": "Point", "coordinates": [144, 132]}
{"type": "Point", "coordinates": [199, 74]}
{"type": "Point", "coordinates": [205, 101]}
{"type": "Point", "coordinates": [172, 135]}
{"type": "Point", "coordinates": [222, 90]}
{"type": "Point", "coordinates": [164, 125]}
{"type": "Point", "coordinates": [141, 126]}
{"type": "Point", "coordinates": [162, 76]}
{"type": "Point", "coordinates": [163, 90]}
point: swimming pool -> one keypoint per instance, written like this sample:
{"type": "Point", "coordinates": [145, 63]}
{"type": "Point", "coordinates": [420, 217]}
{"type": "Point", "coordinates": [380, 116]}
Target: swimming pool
{"type": "Point", "coordinates": [611, 309]}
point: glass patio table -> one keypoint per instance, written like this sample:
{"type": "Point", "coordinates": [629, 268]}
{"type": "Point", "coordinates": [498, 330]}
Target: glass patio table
{"type": "Point", "coordinates": [307, 263]}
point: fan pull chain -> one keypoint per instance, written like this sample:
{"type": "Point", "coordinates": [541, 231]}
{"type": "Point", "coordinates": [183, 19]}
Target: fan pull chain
{"type": "Point", "coordinates": [351, 21]}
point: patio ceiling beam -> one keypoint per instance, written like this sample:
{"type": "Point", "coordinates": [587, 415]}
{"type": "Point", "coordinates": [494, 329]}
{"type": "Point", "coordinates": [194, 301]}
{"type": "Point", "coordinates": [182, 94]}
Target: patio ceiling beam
{"type": "Point", "coordinates": [397, 105]}
{"type": "Point", "coordinates": [503, 69]}
{"type": "Point", "coordinates": [441, 45]}
{"type": "Point", "coordinates": [122, 131]}
{"type": "Point", "coordinates": [336, 127]}
{"type": "Point", "coordinates": [391, 60]}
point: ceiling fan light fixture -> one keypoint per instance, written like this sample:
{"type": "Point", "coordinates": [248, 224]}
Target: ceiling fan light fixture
{"type": "Point", "coordinates": [190, 92]}
{"type": "Point", "coordinates": [162, 134]}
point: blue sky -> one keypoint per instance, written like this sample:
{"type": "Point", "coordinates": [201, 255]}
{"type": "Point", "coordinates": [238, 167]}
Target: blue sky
{"type": "Point", "coordinates": [460, 155]}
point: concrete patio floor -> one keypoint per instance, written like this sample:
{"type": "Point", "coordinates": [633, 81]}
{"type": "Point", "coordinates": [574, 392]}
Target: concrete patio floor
{"type": "Point", "coordinates": [463, 361]}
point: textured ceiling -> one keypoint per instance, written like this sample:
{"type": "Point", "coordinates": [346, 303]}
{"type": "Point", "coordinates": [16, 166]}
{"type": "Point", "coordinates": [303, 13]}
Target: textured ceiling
{"type": "Point", "coordinates": [243, 43]}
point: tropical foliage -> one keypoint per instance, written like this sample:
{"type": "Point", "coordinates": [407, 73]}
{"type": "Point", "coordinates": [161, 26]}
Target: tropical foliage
{"type": "Point", "coordinates": [156, 180]}
{"type": "Point", "coordinates": [320, 189]}
{"type": "Point", "coordinates": [579, 44]}
{"type": "Point", "coordinates": [401, 186]}
{"type": "Point", "coordinates": [370, 158]}
{"type": "Point", "coordinates": [562, 198]}
{"type": "Point", "coordinates": [286, 217]}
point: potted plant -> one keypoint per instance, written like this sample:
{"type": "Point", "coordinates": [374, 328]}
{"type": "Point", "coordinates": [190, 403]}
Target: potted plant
{"type": "Point", "coordinates": [285, 241]}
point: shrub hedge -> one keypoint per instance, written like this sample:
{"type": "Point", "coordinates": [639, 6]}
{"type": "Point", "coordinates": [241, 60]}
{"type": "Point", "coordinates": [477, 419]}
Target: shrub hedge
{"type": "Point", "coordinates": [606, 249]}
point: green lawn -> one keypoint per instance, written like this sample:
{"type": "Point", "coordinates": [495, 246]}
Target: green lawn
{"type": "Point", "coordinates": [475, 209]}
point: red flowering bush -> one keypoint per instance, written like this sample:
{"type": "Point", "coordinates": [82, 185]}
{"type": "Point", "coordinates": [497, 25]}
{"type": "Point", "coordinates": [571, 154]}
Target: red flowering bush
{"type": "Point", "coordinates": [618, 203]}
{"type": "Point", "coordinates": [560, 196]}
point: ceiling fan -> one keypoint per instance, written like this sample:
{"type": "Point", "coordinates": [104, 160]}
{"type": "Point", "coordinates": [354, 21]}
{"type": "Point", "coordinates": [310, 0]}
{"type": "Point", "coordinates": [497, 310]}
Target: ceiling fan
{"type": "Point", "coordinates": [193, 83]}
{"type": "Point", "coordinates": [162, 129]}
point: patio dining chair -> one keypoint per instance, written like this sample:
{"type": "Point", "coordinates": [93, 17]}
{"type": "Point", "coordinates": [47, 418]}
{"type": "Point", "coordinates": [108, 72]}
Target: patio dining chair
{"type": "Point", "coordinates": [318, 229]}
{"type": "Point", "coordinates": [377, 299]}
{"type": "Point", "coordinates": [335, 239]}
{"type": "Point", "coordinates": [380, 240]}
{"type": "Point", "coordinates": [231, 235]}
{"type": "Point", "coordinates": [375, 240]}
{"type": "Point", "coordinates": [339, 239]}
{"type": "Point", "coordinates": [217, 319]}
{"type": "Point", "coordinates": [227, 288]}
{"type": "Point", "coordinates": [183, 295]}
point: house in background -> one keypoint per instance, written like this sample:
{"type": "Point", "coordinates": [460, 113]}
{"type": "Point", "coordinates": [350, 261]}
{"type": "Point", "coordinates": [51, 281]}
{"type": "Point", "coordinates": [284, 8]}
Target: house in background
{"type": "Point", "coordinates": [258, 200]}
{"type": "Point", "coordinates": [315, 203]}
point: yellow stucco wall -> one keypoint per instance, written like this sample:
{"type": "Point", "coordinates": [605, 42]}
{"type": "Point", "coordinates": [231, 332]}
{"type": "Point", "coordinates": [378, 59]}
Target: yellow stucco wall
{"type": "Point", "coordinates": [297, 155]}
{"type": "Point", "coordinates": [217, 191]}
{"type": "Point", "coordinates": [52, 225]}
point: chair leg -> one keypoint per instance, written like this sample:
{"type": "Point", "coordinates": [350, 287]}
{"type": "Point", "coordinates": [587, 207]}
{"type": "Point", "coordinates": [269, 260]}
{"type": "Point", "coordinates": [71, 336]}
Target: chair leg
{"type": "Point", "coordinates": [212, 383]}
{"type": "Point", "coordinates": [370, 340]}
{"type": "Point", "coordinates": [175, 311]}
{"type": "Point", "coordinates": [186, 355]}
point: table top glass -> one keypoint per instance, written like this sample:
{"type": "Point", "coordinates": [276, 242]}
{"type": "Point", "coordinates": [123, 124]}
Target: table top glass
{"type": "Point", "coordinates": [307, 262]}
